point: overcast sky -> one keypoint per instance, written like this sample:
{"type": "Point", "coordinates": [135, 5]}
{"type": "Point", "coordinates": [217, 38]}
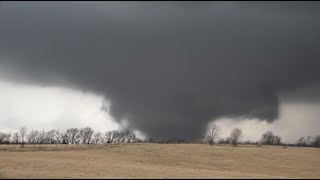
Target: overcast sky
{"type": "Point", "coordinates": [167, 68]}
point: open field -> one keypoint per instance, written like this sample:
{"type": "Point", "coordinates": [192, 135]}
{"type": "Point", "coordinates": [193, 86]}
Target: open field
{"type": "Point", "coordinates": [158, 161]}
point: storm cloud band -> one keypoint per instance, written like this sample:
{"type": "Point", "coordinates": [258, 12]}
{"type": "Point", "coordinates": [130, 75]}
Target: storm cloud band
{"type": "Point", "coordinates": [167, 67]}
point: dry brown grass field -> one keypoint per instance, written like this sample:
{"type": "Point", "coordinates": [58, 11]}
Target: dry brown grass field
{"type": "Point", "coordinates": [158, 161]}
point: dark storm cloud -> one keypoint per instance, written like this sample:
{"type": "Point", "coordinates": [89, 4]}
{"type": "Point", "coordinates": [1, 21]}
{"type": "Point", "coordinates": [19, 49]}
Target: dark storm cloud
{"type": "Point", "coordinates": [169, 67]}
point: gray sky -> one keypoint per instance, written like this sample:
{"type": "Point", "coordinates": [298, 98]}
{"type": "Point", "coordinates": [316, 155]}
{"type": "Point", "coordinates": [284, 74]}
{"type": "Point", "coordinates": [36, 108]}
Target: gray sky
{"type": "Point", "coordinates": [168, 68]}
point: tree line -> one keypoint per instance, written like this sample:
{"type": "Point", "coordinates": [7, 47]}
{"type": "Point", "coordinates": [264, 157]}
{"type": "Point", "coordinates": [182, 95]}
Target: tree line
{"type": "Point", "coordinates": [212, 133]}
{"type": "Point", "coordinates": [87, 135]}
{"type": "Point", "coordinates": [71, 136]}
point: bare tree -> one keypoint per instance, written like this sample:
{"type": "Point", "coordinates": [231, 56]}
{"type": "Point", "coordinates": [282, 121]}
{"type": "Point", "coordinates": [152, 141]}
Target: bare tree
{"type": "Point", "coordinates": [97, 138]}
{"type": "Point", "coordinates": [2, 137]}
{"type": "Point", "coordinates": [32, 137]}
{"type": "Point", "coordinates": [8, 138]}
{"type": "Point", "coordinates": [122, 137]}
{"type": "Point", "coordinates": [235, 136]}
{"type": "Point", "coordinates": [41, 137]}
{"type": "Point", "coordinates": [50, 137]}
{"type": "Point", "coordinates": [277, 140]}
{"type": "Point", "coordinates": [65, 139]}
{"type": "Point", "coordinates": [89, 131]}
{"type": "Point", "coordinates": [72, 135]}
{"type": "Point", "coordinates": [112, 137]}
{"type": "Point", "coordinates": [23, 132]}
{"type": "Point", "coordinates": [85, 135]}
{"type": "Point", "coordinates": [58, 136]}
{"type": "Point", "coordinates": [16, 138]}
{"type": "Point", "coordinates": [108, 137]}
{"type": "Point", "coordinates": [309, 138]}
{"type": "Point", "coordinates": [302, 142]}
{"type": "Point", "coordinates": [268, 138]}
{"type": "Point", "coordinates": [316, 141]}
{"type": "Point", "coordinates": [130, 136]}
{"type": "Point", "coordinates": [212, 133]}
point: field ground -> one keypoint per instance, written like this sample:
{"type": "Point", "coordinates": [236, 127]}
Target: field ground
{"type": "Point", "coordinates": [158, 161]}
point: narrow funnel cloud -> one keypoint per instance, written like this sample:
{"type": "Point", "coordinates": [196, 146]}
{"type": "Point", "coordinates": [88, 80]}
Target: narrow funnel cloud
{"type": "Point", "coordinates": [167, 67]}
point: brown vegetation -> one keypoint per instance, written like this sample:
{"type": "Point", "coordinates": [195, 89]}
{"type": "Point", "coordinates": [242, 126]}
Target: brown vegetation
{"type": "Point", "coordinates": [147, 160]}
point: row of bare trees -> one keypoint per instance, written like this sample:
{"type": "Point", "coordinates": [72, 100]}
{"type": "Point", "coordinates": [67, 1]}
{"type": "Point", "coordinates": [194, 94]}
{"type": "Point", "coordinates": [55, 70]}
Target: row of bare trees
{"type": "Point", "coordinates": [270, 138]}
{"type": "Point", "coordinates": [212, 133]}
{"type": "Point", "coordinates": [309, 141]}
{"type": "Point", "coordinates": [88, 136]}
{"type": "Point", "coordinates": [71, 136]}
